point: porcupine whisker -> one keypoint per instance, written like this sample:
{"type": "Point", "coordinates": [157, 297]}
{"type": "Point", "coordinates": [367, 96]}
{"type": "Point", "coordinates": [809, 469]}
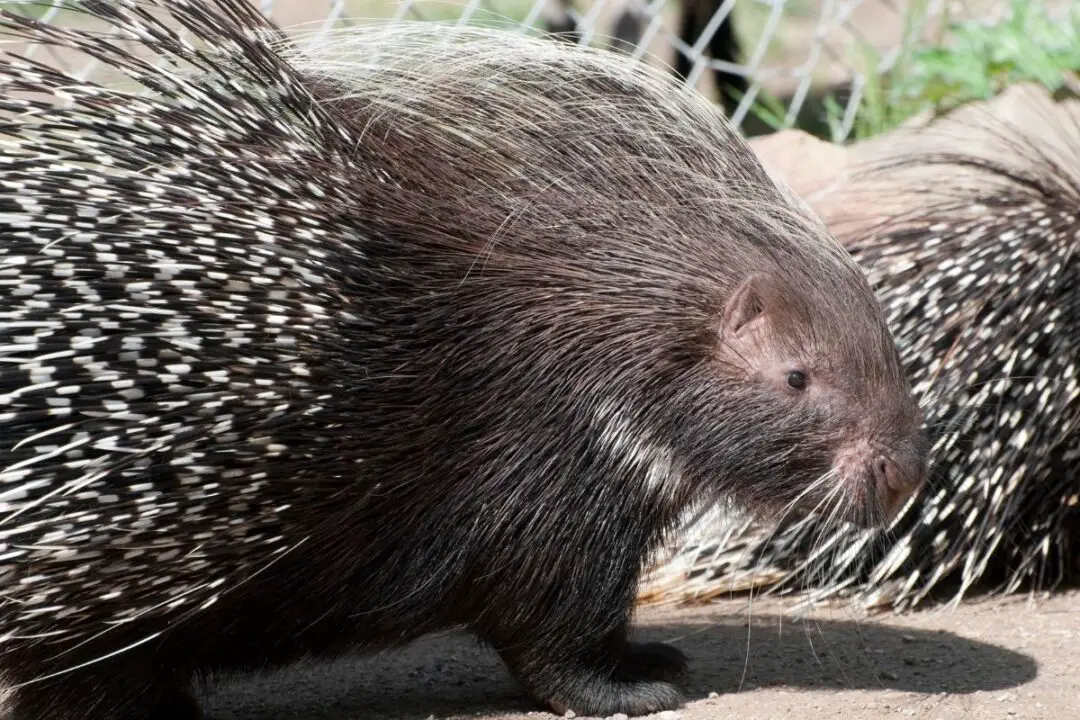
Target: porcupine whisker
{"type": "Point", "coordinates": [741, 560]}
{"type": "Point", "coordinates": [833, 503]}
{"type": "Point", "coordinates": [810, 489]}
{"type": "Point", "coordinates": [816, 547]}
{"type": "Point", "coordinates": [834, 655]}
{"type": "Point", "coordinates": [824, 478]}
{"type": "Point", "coordinates": [761, 549]}
{"type": "Point", "coordinates": [827, 479]}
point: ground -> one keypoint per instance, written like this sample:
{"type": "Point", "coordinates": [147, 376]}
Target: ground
{"type": "Point", "coordinates": [1012, 659]}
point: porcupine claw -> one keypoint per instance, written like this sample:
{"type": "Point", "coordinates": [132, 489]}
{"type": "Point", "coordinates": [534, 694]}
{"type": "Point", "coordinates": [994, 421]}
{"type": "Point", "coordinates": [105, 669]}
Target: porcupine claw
{"type": "Point", "coordinates": [637, 685]}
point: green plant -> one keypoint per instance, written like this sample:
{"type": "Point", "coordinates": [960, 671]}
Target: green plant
{"type": "Point", "coordinates": [31, 8]}
{"type": "Point", "coordinates": [977, 61]}
{"type": "Point", "coordinates": [489, 13]}
{"type": "Point", "coordinates": [1030, 46]}
{"type": "Point", "coordinates": [767, 108]}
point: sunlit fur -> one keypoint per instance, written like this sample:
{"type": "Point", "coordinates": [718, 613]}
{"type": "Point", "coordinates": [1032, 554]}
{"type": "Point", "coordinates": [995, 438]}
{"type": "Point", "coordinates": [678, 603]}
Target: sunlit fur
{"type": "Point", "coordinates": [969, 232]}
{"type": "Point", "coordinates": [308, 351]}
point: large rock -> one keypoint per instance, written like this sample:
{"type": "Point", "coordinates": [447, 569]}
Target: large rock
{"type": "Point", "coordinates": [833, 179]}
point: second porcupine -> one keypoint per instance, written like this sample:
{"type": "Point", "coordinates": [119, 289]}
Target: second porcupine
{"type": "Point", "coordinates": [305, 352]}
{"type": "Point", "coordinates": [975, 260]}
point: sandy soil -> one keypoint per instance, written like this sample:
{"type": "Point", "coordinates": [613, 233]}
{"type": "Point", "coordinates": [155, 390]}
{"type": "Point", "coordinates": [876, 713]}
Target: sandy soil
{"type": "Point", "coordinates": [1002, 660]}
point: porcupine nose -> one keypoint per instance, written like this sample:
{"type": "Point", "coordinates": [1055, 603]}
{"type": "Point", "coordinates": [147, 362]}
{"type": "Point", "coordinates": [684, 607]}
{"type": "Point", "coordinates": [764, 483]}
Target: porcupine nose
{"type": "Point", "coordinates": [894, 484]}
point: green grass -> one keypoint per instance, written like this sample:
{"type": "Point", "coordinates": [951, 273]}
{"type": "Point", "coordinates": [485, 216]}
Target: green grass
{"type": "Point", "coordinates": [489, 13]}
{"type": "Point", "coordinates": [31, 8]}
{"type": "Point", "coordinates": [974, 61]}
{"type": "Point", "coordinates": [752, 18]}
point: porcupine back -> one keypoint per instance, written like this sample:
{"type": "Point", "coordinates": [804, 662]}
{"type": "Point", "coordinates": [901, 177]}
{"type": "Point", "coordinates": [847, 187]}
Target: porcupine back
{"type": "Point", "coordinates": [225, 296]}
{"type": "Point", "coordinates": [163, 351]}
{"type": "Point", "coordinates": [969, 232]}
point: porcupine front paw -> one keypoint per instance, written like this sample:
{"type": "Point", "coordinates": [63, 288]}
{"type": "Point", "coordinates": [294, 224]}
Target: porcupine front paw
{"type": "Point", "coordinates": [652, 661]}
{"type": "Point", "coordinates": [633, 684]}
{"type": "Point", "coordinates": [599, 697]}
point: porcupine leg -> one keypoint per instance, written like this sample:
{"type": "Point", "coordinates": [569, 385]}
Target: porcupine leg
{"type": "Point", "coordinates": [652, 661]}
{"type": "Point", "coordinates": [566, 641]}
{"type": "Point", "coordinates": [614, 676]}
{"type": "Point", "coordinates": [571, 651]}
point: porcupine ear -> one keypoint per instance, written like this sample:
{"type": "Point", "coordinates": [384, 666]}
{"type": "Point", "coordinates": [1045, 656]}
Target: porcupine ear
{"type": "Point", "coordinates": [745, 305]}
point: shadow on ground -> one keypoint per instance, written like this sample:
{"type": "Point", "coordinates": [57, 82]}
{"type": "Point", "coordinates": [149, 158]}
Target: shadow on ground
{"type": "Point", "coordinates": [451, 676]}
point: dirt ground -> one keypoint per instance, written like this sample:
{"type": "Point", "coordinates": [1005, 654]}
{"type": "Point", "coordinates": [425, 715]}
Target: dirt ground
{"type": "Point", "coordinates": [1015, 659]}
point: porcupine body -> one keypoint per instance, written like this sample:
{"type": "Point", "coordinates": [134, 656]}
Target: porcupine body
{"type": "Point", "coordinates": [976, 265]}
{"type": "Point", "coordinates": [314, 351]}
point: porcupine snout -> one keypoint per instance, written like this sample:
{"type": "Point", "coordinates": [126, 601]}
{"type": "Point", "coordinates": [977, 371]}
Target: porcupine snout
{"type": "Point", "coordinates": [895, 481]}
{"type": "Point", "coordinates": [885, 477]}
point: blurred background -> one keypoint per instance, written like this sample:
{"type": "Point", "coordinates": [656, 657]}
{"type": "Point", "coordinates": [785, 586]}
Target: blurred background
{"type": "Point", "coordinates": [839, 69]}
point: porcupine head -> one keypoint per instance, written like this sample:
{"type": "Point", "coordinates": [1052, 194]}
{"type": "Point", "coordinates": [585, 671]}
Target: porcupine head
{"type": "Point", "coordinates": [374, 350]}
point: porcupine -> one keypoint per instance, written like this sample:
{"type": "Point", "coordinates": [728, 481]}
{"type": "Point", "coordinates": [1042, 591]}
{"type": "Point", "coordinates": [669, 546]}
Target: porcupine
{"type": "Point", "coordinates": [315, 350]}
{"type": "Point", "coordinates": [975, 262]}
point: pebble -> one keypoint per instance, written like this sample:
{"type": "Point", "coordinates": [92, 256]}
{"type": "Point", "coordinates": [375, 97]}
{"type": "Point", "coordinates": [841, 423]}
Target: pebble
{"type": "Point", "coordinates": [669, 715]}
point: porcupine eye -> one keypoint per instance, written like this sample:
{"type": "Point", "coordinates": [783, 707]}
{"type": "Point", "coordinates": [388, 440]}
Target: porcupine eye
{"type": "Point", "coordinates": [796, 379]}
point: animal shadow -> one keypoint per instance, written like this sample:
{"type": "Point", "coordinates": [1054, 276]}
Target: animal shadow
{"type": "Point", "coordinates": [449, 677]}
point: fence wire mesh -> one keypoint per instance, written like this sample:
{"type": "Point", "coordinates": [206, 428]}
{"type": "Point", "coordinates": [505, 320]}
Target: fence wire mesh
{"type": "Point", "coordinates": [772, 63]}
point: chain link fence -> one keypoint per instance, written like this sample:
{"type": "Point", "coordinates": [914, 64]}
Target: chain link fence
{"type": "Point", "coordinates": [772, 63]}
